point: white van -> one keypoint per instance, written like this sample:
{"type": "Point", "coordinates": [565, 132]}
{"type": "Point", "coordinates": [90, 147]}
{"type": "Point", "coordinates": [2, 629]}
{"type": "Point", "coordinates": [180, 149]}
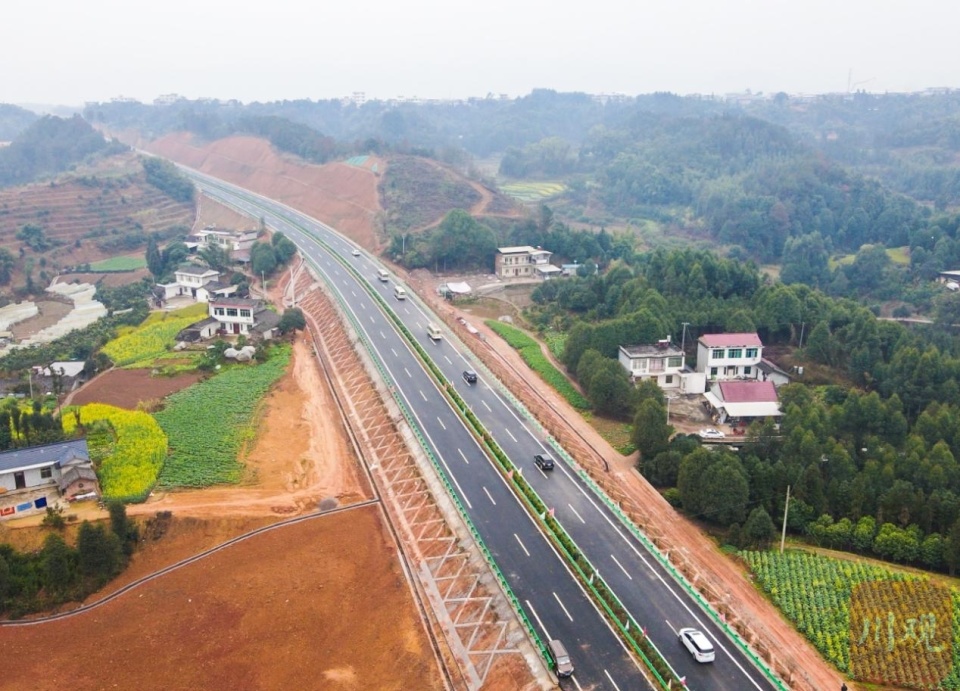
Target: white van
{"type": "Point", "coordinates": [383, 275]}
{"type": "Point", "coordinates": [399, 293]}
{"type": "Point", "coordinates": [433, 331]}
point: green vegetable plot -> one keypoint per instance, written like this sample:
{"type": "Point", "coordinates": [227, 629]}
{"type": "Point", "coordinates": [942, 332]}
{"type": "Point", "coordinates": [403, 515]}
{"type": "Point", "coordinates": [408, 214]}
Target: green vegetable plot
{"type": "Point", "coordinates": [207, 422]}
{"type": "Point", "coordinates": [880, 626]}
{"type": "Point", "coordinates": [530, 352]}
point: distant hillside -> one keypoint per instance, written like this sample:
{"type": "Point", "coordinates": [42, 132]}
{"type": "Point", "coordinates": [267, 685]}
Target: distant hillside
{"type": "Point", "coordinates": [49, 146]}
{"type": "Point", "coordinates": [13, 121]}
{"type": "Point", "coordinates": [95, 213]}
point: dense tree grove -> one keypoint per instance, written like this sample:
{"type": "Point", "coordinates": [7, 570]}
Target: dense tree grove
{"type": "Point", "coordinates": [163, 175]}
{"type": "Point", "coordinates": [50, 145]}
{"type": "Point", "coordinates": [58, 573]}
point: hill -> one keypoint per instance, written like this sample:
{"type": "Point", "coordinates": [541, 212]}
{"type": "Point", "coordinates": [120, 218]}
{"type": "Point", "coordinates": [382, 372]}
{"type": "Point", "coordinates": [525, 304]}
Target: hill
{"type": "Point", "coordinates": [13, 121]}
{"type": "Point", "coordinates": [97, 212]}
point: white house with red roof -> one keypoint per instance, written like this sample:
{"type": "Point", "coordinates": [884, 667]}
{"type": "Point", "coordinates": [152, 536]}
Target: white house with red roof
{"type": "Point", "coordinates": [743, 401]}
{"type": "Point", "coordinates": [729, 356]}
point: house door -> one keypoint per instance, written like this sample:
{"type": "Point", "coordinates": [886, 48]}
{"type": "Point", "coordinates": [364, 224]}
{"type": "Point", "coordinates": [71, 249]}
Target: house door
{"type": "Point", "coordinates": [236, 328]}
{"type": "Point", "coordinates": [19, 480]}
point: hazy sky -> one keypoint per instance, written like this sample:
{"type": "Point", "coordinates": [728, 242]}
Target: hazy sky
{"type": "Point", "coordinates": [68, 51]}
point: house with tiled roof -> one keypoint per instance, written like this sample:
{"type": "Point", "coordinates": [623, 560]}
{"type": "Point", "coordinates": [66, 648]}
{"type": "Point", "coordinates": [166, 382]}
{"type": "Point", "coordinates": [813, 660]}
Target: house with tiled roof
{"type": "Point", "coordinates": [729, 356]}
{"type": "Point", "coordinates": [35, 477]}
{"type": "Point", "coordinates": [197, 281]}
{"type": "Point", "coordinates": [743, 401]}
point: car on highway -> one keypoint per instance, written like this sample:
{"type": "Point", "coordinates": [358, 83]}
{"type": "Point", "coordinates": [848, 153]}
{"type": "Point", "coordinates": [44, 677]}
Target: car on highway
{"type": "Point", "coordinates": [543, 461]}
{"type": "Point", "coordinates": [469, 376]}
{"type": "Point", "coordinates": [711, 433]}
{"type": "Point", "coordinates": [699, 645]}
{"type": "Point", "coordinates": [355, 252]}
{"type": "Point", "coordinates": [561, 658]}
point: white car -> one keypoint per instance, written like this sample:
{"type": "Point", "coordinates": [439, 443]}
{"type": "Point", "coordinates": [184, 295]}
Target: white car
{"type": "Point", "coordinates": [699, 645]}
{"type": "Point", "coordinates": [356, 252]}
{"type": "Point", "coordinates": [711, 433]}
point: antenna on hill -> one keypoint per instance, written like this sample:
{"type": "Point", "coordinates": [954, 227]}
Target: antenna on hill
{"type": "Point", "coordinates": [851, 85]}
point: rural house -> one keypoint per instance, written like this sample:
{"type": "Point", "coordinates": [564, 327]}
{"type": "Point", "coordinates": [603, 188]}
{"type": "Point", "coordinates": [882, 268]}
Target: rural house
{"type": "Point", "coordinates": [729, 356]}
{"type": "Point", "coordinates": [35, 477]}
{"type": "Point", "coordinates": [233, 316]}
{"type": "Point", "coordinates": [524, 262]}
{"type": "Point", "coordinates": [663, 362]}
{"type": "Point", "coordinates": [199, 282]}
{"type": "Point", "coordinates": [741, 402]}
{"type": "Point", "coordinates": [237, 243]}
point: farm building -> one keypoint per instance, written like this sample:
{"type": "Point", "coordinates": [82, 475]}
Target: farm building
{"type": "Point", "coordinates": [35, 477]}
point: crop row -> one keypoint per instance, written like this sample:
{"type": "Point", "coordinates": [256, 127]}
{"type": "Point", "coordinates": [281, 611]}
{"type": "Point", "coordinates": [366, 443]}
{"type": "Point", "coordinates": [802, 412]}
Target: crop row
{"type": "Point", "coordinates": [879, 625]}
{"type": "Point", "coordinates": [207, 423]}
{"type": "Point", "coordinates": [530, 351]}
{"type": "Point", "coordinates": [128, 447]}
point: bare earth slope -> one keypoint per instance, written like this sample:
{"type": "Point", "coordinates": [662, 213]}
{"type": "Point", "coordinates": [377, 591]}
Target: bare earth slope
{"type": "Point", "coordinates": [342, 195]}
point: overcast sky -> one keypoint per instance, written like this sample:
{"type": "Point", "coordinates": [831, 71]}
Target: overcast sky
{"type": "Point", "coordinates": [68, 51]}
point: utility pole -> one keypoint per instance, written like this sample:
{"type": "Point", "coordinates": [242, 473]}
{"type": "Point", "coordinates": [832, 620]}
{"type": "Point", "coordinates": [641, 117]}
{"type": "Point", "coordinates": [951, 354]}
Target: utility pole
{"type": "Point", "coordinates": [786, 508]}
{"type": "Point", "coordinates": [683, 336]}
{"type": "Point", "coordinates": [802, 325]}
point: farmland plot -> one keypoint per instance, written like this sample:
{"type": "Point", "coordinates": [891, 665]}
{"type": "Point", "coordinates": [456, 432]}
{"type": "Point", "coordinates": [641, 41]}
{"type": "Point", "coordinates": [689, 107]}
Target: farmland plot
{"type": "Point", "coordinates": [208, 422]}
{"type": "Point", "coordinates": [127, 446]}
{"type": "Point", "coordinates": [880, 626]}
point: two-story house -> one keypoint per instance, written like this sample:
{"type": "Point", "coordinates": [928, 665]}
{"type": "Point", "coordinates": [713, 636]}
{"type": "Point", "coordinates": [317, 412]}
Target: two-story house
{"type": "Point", "coordinates": [524, 262]}
{"type": "Point", "coordinates": [199, 282]}
{"type": "Point", "coordinates": [729, 356]}
{"type": "Point", "coordinates": [663, 362]}
{"type": "Point", "coordinates": [236, 243]}
{"type": "Point", "coordinates": [35, 477]}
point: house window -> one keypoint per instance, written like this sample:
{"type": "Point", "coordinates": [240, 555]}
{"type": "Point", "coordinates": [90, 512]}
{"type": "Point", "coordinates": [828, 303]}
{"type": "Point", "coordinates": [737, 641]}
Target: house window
{"type": "Point", "coordinates": [717, 354]}
{"type": "Point", "coordinates": [748, 371]}
{"type": "Point", "coordinates": [218, 311]}
{"type": "Point", "coordinates": [735, 353]}
{"type": "Point", "coordinates": [674, 361]}
{"type": "Point", "coordinates": [713, 371]}
{"type": "Point", "coordinates": [656, 364]}
{"type": "Point", "coordinates": [231, 311]}
{"type": "Point", "coordinates": [46, 473]}
{"type": "Point", "coordinates": [245, 313]}
{"type": "Point", "coordinates": [668, 379]}
{"type": "Point", "coordinates": [751, 352]}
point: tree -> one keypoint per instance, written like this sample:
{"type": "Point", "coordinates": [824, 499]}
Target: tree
{"type": "Point", "coordinates": [651, 433]}
{"type": "Point", "coordinates": [610, 390]}
{"type": "Point", "coordinates": [759, 529]}
{"type": "Point", "coordinates": [121, 526]}
{"type": "Point", "coordinates": [7, 262]}
{"type": "Point", "coordinates": [216, 257]}
{"type": "Point", "coordinates": [283, 247]}
{"type": "Point", "coordinates": [99, 553]}
{"type": "Point", "coordinates": [951, 548]}
{"type": "Point", "coordinates": [154, 258]}
{"type": "Point", "coordinates": [6, 582]}
{"type": "Point", "coordinates": [263, 259]}
{"type": "Point", "coordinates": [57, 564]}
{"type": "Point", "coordinates": [292, 320]}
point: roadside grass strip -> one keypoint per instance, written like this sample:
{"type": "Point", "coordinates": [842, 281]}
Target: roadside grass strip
{"type": "Point", "coordinates": [530, 351]}
{"type": "Point", "coordinates": [207, 423]}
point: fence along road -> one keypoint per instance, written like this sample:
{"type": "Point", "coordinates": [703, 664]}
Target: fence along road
{"type": "Point", "coordinates": [637, 576]}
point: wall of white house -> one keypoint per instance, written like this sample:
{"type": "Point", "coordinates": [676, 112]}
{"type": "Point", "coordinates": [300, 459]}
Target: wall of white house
{"type": "Point", "coordinates": [32, 478]}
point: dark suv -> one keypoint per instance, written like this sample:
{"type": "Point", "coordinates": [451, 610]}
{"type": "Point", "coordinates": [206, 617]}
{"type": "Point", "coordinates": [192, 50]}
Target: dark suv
{"type": "Point", "coordinates": [469, 376]}
{"type": "Point", "coordinates": [543, 461]}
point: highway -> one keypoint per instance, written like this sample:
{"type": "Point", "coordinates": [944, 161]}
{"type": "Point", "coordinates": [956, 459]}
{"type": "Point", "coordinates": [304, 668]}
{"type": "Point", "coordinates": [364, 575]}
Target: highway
{"type": "Point", "coordinates": [552, 598]}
